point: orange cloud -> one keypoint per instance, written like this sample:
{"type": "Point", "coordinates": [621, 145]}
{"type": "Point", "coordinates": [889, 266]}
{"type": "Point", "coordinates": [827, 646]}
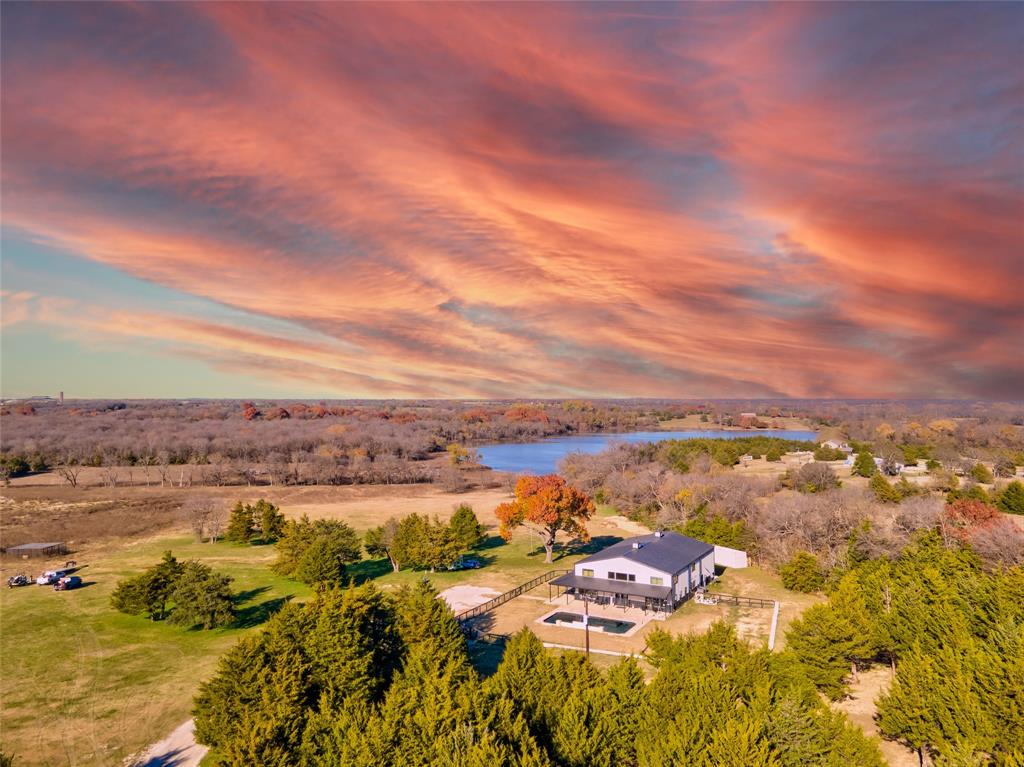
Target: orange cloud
{"type": "Point", "coordinates": [540, 200]}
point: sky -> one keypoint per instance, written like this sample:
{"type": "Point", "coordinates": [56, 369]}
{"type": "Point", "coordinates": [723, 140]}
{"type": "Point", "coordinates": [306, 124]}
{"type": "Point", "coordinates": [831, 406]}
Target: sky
{"type": "Point", "coordinates": [513, 200]}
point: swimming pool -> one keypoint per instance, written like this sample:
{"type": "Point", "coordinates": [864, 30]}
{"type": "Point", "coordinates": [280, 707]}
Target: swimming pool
{"type": "Point", "coordinates": [607, 625]}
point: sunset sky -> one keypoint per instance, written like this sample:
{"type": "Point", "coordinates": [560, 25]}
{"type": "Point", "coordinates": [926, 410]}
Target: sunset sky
{"type": "Point", "coordinates": [513, 200]}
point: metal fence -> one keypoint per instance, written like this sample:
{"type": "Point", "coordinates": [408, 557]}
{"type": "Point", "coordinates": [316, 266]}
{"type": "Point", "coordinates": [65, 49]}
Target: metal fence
{"type": "Point", "coordinates": [501, 599]}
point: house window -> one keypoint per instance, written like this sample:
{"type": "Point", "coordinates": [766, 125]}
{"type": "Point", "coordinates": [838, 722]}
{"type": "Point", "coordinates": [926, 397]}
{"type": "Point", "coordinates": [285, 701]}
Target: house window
{"type": "Point", "coordinates": [621, 577]}
{"type": "Point", "coordinates": [657, 581]}
{"type": "Point", "coordinates": [587, 573]}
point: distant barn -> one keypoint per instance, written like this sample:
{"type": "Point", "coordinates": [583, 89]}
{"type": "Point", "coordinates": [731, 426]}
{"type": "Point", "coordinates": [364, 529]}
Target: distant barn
{"type": "Point", "coordinates": [27, 550]}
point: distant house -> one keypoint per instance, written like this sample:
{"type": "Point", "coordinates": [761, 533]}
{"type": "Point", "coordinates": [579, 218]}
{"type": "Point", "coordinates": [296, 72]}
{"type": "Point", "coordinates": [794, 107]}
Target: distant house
{"type": "Point", "coordinates": [651, 572]}
{"type": "Point", "coordinates": [833, 445]}
{"type": "Point", "coordinates": [879, 462]}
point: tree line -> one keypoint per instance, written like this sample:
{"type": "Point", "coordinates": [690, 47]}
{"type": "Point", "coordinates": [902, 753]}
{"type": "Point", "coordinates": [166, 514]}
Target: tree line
{"type": "Point", "coordinates": [358, 677]}
{"type": "Point", "coordinates": [952, 632]}
{"type": "Point", "coordinates": [318, 552]}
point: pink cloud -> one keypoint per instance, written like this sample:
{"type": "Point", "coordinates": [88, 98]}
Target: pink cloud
{"type": "Point", "coordinates": [555, 199]}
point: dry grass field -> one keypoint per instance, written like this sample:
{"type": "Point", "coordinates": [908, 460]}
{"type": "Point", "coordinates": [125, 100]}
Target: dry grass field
{"type": "Point", "coordinates": [693, 421]}
{"type": "Point", "coordinates": [86, 515]}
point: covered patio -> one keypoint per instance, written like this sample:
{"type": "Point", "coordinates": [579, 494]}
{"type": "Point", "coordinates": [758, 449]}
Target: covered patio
{"type": "Point", "coordinates": [626, 595]}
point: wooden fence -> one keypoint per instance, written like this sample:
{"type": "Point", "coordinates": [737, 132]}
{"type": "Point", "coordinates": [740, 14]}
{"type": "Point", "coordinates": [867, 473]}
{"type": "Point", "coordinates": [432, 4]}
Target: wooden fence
{"type": "Point", "coordinates": [733, 599]}
{"type": "Point", "coordinates": [501, 599]}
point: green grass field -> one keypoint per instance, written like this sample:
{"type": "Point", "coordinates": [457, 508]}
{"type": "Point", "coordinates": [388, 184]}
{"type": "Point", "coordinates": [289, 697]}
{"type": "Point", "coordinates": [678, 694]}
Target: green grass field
{"type": "Point", "coordinates": [83, 684]}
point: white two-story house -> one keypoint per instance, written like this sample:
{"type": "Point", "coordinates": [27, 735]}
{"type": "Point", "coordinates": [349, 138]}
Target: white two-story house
{"type": "Point", "coordinates": [652, 572]}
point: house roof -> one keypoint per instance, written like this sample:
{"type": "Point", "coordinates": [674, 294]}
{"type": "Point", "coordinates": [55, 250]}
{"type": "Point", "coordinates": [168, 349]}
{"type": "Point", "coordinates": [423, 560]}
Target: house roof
{"type": "Point", "coordinates": [669, 552]}
{"type": "Point", "coordinates": [613, 587]}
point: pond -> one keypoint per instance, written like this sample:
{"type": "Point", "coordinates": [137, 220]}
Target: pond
{"type": "Point", "coordinates": [543, 457]}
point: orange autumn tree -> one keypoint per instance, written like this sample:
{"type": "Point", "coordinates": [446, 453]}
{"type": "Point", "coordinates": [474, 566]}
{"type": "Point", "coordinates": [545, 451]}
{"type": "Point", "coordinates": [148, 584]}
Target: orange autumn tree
{"type": "Point", "coordinates": [546, 505]}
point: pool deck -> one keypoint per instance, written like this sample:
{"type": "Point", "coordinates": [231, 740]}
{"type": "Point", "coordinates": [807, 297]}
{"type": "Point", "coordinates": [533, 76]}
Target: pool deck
{"type": "Point", "coordinates": [639, 618]}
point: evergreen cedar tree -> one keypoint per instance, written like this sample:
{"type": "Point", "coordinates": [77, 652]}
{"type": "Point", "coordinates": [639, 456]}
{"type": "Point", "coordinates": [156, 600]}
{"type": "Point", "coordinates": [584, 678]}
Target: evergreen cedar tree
{"type": "Point", "coordinates": [884, 490]}
{"type": "Point", "coordinates": [420, 542]}
{"type": "Point", "coordinates": [262, 522]}
{"type": "Point", "coordinates": [358, 678]}
{"type": "Point", "coordinates": [548, 505]}
{"type": "Point", "coordinates": [802, 573]}
{"type": "Point", "coordinates": [980, 473]}
{"type": "Point", "coordinates": [149, 591]}
{"type": "Point", "coordinates": [200, 596]}
{"type": "Point", "coordinates": [718, 531]}
{"type": "Point", "coordinates": [317, 552]}
{"type": "Point", "coordinates": [864, 464]}
{"type": "Point", "coordinates": [1011, 500]}
{"type": "Point", "coordinates": [466, 527]}
{"type": "Point", "coordinates": [954, 635]}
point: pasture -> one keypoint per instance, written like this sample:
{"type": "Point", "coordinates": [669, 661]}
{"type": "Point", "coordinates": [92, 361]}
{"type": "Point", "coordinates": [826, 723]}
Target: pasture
{"type": "Point", "coordinates": [83, 684]}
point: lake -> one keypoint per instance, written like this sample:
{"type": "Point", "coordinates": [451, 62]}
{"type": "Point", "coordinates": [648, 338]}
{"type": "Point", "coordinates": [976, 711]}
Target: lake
{"type": "Point", "coordinates": [543, 457]}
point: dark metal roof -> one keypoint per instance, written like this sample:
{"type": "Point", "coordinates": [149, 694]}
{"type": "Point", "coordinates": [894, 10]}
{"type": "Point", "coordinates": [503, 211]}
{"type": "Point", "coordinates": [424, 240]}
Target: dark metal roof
{"type": "Point", "coordinates": [613, 587]}
{"type": "Point", "coordinates": [33, 546]}
{"type": "Point", "coordinates": [669, 552]}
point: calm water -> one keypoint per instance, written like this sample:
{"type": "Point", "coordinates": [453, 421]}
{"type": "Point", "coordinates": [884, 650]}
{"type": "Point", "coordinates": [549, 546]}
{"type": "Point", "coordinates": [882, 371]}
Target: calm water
{"type": "Point", "coordinates": [543, 457]}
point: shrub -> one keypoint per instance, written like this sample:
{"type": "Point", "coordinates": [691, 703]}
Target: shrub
{"type": "Point", "coordinates": [815, 478]}
{"type": "Point", "coordinates": [802, 573]}
{"type": "Point", "coordinates": [864, 465]}
{"type": "Point", "coordinates": [883, 489]}
{"type": "Point", "coordinates": [1011, 499]}
{"type": "Point", "coordinates": [1005, 468]}
{"type": "Point", "coordinates": [980, 473]}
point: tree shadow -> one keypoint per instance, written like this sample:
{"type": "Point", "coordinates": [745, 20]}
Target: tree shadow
{"type": "Point", "coordinates": [368, 570]}
{"type": "Point", "coordinates": [256, 614]}
{"type": "Point", "coordinates": [171, 758]}
{"type": "Point", "coordinates": [492, 542]}
{"type": "Point", "coordinates": [249, 594]}
{"type": "Point", "coordinates": [484, 559]}
{"type": "Point", "coordinates": [592, 546]}
{"type": "Point", "coordinates": [486, 649]}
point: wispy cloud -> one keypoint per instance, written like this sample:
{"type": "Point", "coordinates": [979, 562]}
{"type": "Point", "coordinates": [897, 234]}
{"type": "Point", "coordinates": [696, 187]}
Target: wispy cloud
{"type": "Point", "coordinates": [541, 200]}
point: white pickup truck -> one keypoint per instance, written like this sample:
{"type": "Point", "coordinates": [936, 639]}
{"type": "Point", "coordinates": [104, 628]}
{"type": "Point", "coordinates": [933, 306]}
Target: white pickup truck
{"type": "Point", "coordinates": [50, 577]}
